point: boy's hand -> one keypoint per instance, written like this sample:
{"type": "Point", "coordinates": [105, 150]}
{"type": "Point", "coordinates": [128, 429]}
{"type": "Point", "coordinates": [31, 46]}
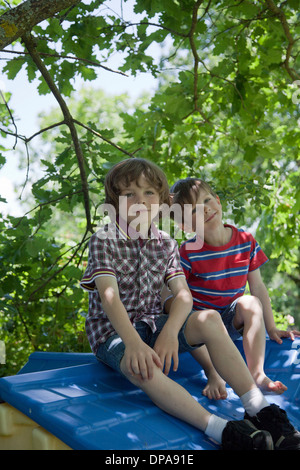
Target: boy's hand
{"type": "Point", "coordinates": [166, 346]}
{"type": "Point", "coordinates": [140, 359]}
{"type": "Point", "coordinates": [275, 334]}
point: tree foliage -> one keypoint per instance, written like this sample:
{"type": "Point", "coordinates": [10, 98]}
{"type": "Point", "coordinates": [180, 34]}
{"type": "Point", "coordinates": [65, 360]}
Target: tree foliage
{"type": "Point", "coordinates": [226, 108]}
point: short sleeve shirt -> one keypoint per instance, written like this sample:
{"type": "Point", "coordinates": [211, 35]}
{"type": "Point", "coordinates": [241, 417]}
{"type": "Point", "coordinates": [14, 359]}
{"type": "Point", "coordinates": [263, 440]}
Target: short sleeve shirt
{"type": "Point", "coordinates": [141, 268]}
{"type": "Point", "coordinates": [217, 275]}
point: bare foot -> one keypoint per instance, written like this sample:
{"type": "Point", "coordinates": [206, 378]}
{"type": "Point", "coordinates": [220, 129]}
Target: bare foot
{"type": "Point", "coordinates": [267, 385]}
{"type": "Point", "coordinates": [215, 388]}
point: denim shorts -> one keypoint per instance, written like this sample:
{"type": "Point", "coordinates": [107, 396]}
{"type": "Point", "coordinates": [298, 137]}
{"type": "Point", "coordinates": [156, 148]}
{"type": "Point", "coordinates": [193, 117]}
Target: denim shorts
{"type": "Point", "coordinates": [112, 351]}
{"type": "Point", "coordinates": [228, 317]}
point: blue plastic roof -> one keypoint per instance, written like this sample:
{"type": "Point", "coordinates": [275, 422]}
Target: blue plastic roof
{"type": "Point", "coordinates": [89, 406]}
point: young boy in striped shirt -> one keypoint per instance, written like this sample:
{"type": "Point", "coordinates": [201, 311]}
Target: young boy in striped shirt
{"type": "Point", "coordinates": [217, 274]}
{"type": "Point", "coordinates": [129, 262]}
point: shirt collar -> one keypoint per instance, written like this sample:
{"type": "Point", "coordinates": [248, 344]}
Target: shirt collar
{"type": "Point", "coordinates": [127, 233]}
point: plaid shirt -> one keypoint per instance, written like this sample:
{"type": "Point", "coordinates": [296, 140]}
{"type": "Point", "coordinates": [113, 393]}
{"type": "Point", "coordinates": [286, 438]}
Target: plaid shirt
{"type": "Point", "coordinates": [140, 266]}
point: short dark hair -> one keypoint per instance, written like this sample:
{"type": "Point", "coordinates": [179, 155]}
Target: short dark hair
{"type": "Point", "coordinates": [186, 191]}
{"type": "Point", "coordinates": [130, 170]}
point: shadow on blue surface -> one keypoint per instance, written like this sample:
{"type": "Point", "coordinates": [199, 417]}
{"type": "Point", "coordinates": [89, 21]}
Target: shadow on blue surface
{"type": "Point", "coordinates": [89, 406]}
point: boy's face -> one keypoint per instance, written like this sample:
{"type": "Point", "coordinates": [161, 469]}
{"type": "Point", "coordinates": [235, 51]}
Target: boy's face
{"type": "Point", "coordinates": [140, 203]}
{"type": "Point", "coordinates": [212, 211]}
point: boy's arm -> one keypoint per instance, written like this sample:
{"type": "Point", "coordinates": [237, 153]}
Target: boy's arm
{"type": "Point", "coordinates": [166, 344]}
{"type": "Point", "coordinates": [182, 302]}
{"type": "Point", "coordinates": [139, 357]}
{"type": "Point", "coordinates": [167, 295]}
{"type": "Point", "coordinates": [259, 290]}
{"type": "Point", "coordinates": [166, 298]}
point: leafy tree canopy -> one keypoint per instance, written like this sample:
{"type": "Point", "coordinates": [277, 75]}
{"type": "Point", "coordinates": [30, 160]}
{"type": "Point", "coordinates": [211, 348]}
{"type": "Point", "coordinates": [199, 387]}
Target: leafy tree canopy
{"type": "Point", "coordinates": [226, 108]}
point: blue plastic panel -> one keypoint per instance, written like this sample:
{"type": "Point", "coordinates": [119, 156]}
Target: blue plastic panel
{"type": "Point", "coordinates": [39, 361]}
{"type": "Point", "coordinates": [89, 406]}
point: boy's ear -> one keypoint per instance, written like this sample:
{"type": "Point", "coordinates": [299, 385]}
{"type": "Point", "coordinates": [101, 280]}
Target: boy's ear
{"type": "Point", "coordinates": [218, 199]}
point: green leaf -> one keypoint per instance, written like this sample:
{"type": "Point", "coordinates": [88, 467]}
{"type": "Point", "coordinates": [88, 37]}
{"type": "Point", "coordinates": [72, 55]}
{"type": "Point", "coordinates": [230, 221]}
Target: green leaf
{"type": "Point", "coordinates": [2, 159]}
{"type": "Point", "coordinates": [250, 153]}
{"type": "Point", "coordinates": [88, 73]}
{"type": "Point", "coordinates": [43, 88]}
{"type": "Point", "coordinates": [73, 273]}
{"type": "Point", "coordinates": [35, 245]}
{"type": "Point", "coordinates": [13, 67]}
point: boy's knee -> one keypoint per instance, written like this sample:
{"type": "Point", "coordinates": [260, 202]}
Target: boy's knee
{"type": "Point", "coordinates": [202, 317]}
{"type": "Point", "coordinates": [202, 325]}
{"type": "Point", "coordinates": [134, 379]}
{"type": "Point", "coordinates": [249, 304]}
{"type": "Point", "coordinates": [137, 379]}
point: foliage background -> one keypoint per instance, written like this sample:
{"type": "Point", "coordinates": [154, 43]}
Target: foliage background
{"type": "Point", "coordinates": [226, 108]}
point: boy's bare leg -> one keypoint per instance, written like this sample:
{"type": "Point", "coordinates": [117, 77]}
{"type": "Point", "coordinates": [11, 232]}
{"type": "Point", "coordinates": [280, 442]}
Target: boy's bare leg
{"type": "Point", "coordinates": [207, 327]}
{"type": "Point", "coordinates": [171, 397]}
{"type": "Point", "coordinates": [175, 400]}
{"type": "Point", "coordinates": [249, 314]}
{"type": "Point", "coordinates": [215, 388]}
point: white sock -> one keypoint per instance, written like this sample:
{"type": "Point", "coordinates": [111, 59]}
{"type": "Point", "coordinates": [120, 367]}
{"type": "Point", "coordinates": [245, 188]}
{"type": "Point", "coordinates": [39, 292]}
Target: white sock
{"type": "Point", "coordinates": [215, 428]}
{"type": "Point", "coordinates": [254, 401]}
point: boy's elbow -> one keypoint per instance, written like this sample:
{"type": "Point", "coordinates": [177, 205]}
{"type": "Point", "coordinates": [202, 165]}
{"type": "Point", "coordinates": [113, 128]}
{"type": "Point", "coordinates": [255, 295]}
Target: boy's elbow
{"type": "Point", "coordinates": [190, 302]}
{"type": "Point", "coordinates": [186, 297]}
{"type": "Point", "coordinates": [109, 297]}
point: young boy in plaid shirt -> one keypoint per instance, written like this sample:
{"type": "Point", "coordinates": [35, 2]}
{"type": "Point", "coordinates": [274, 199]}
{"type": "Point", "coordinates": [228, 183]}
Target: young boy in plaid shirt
{"type": "Point", "coordinates": [129, 262]}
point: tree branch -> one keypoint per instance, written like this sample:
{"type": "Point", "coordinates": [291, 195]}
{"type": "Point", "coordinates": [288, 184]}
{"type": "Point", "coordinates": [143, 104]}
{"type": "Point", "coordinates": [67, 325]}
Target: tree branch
{"type": "Point", "coordinates": [196, 57]}
{"type": "Point", "coordinates": [17, 21]}
{"type": "Point", "coordinates": [29, 43]}
{"type": "Point", "coordinates": [52, 126]}
{"type": "Point", "coordinates": [157, 25]}
{"type": "Point", "coordinates": [61, 56]}
{"type": "Point", "coordinates": [11, 117]}
{"type": "Point", "coordinates": [102, 137]}
{"type": "Point", "coordinates": [41, 286]}
{"type": "Point", "coordinates": [281, 16]}
{"type": "Point", "coordinates": [43, 204]}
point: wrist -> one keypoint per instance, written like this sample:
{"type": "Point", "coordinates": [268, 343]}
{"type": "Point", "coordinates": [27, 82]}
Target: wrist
{"type": "Point", "coordinates": [130, 336]}
{"type": "Point", "coordinates": [171, 328]}
{"type": "Point", "coordinates": [271, 329]}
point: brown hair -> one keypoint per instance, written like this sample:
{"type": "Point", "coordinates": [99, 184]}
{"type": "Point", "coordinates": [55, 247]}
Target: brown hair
{"type": "Point", "coordinates": [186, 191]}
{"type": "Point", "coordinates": [130, 170]}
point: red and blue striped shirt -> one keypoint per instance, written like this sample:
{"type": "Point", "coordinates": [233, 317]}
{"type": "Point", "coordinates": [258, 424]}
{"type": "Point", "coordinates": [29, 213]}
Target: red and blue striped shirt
{"type": "Point", "coordinates": [217, 275]}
